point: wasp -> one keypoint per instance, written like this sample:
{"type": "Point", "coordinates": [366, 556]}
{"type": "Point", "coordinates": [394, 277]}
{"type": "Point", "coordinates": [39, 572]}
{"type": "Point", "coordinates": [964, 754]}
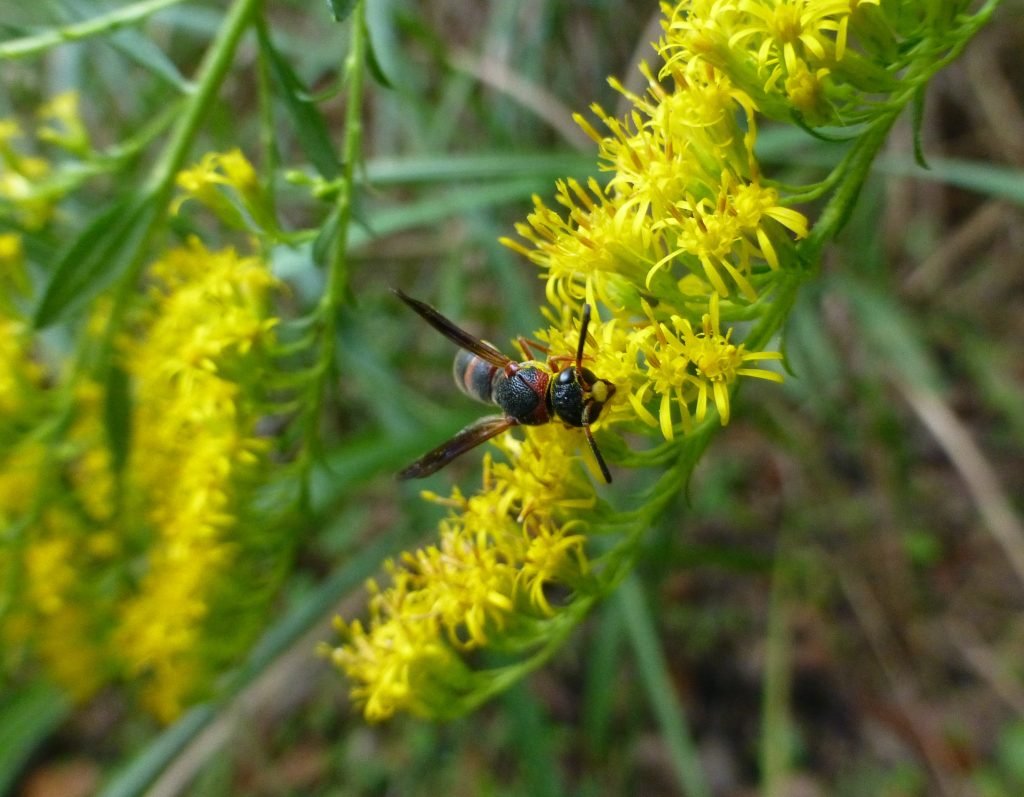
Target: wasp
{"type": "Point", "coordinates": [530, 393]}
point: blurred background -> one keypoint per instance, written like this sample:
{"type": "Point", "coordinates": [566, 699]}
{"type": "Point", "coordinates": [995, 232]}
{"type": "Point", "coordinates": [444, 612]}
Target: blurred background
{"type": "Point", "coordinates": [839, 593]}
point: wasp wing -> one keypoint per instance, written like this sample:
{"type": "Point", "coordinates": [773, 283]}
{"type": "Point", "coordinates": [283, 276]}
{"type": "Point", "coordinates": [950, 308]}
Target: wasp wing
{"type": "Point", "coordinates": [470, 437]}
{"type": "Point", "coordinates": [459, 337]}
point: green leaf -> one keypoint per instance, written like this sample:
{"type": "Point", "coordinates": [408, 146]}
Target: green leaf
{"type": "Point", "coordinates": [310, 127]}
{"type": "Point", "coordinates": [374, 63]}
{"type": "Point", "coordinates": [997, 181]}
{"type": "Point", "coordinates": [130, 43]}
{"type": "Point", "coordinates": [147, 55]}
{"type": "Point", "coordinates": [96, 258]}
{"type": "Point", "coordinates": [891, 335]}
{"type": "Point", "coordinates": [1010, 752]}
{"type": "Point", "coordinates": [604, 659]}
{"type": "Point", "coordinates": [341, 9]}
{"type": "Point", "coordinates": [445, 167]}
{"type": "Point", "coordinates": [655, 679]}
{"type": "Point", "coordinates": [27, 717]}
{"type": "Point", "coordinates": [325, 238]}
{"type": "Point", "coordinates": [117, 414]}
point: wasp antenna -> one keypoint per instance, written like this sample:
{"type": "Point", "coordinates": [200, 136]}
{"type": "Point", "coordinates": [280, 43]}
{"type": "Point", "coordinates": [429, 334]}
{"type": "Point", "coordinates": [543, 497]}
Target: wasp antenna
{"type": "Point", "coordinates": [593, 445]}
{"type": "Point", "coordinates": [584, 323]}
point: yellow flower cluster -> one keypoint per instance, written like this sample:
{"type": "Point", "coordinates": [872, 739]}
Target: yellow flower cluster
{"type": "Point", "coordinates": [134, 576]}
{"type": "Point", "coordinates": [55, 540]}
{"type": "Point", "coordinates": [227, 184]}
{"type": "Point", "coordinates": [684, 237]}
{"type": "Point", "coordinates": [196, 395]}
{"type": "Point", "coordinates": [505, 558]}
{"type": "Point", "coordinates": [818, 62]}
{"type": "Point", "coordinates": [684, 228]}
{"type": "Point", "coordinates": [28, 190]}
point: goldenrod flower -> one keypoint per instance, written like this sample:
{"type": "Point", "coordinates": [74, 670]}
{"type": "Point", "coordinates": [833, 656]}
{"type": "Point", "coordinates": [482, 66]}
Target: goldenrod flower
{"type": "Point", "coordinates": [488, 582]}
{"type": "Point", "coordinates": [49, 557]}
{"type": "Point", "coordinates": [227, 183]}
{"type": "Point", "coordinates": [31, 185]}
{"type": "Point", "coordinates": [13, 277]}
{"type": "Point", "coordinates": [63, 608]}
{"type": "Point", "coordinates": [685, 247]}
{"type": "Point", "coordinates": [196, 368]}
{"type": "Point", "coordinates": [21, 174]}
{"type": "Point", "coordinates": [61, 124]}
{"type": "Point", "coordinates": [684, 223]}
{"type": "Point", "coordinates": [685, 206]}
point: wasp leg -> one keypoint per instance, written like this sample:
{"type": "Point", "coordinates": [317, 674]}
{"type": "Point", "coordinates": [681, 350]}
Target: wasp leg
{"type": "Point", "coordinates": [527, 346]}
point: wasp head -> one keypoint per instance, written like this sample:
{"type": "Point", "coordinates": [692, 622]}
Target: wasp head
{"type": "Point", "coordinates": [577, 397]}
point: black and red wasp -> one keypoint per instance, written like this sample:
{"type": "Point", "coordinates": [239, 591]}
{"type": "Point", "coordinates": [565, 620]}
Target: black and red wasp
{"type": "Point", "coordinates": [529, 392]}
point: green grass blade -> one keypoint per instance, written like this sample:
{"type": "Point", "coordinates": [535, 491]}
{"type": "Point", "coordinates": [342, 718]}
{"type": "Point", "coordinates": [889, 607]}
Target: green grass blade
{"type": "Point", "coordinates": [442, 167]}
{"type": "Point", "coordinates": [143, 770]}
{"type": "Point", "coordinates": [660, 692]}
{"type": "Point", "coordinates": [27, 717]}
{"type": "Point", "coordinates": [534, 742]}
{"type": "Point", "coordinates": [341, 8]}
{"type": "Point", "coordinates": [776, 727]}
{"type": "Point", "coordinates": [602, 670]}
{"type": "Point", "coordinates": [998, 181]}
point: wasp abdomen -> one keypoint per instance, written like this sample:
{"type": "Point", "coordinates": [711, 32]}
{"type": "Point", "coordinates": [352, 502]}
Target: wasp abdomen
{"type": "Point", "coordinates": [474, 376]}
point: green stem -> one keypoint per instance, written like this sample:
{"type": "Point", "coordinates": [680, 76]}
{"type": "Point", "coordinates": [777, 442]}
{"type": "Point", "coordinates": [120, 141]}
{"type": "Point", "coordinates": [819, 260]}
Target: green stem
{"type": "Point", "coordinates": [337, 266]}
{"type": "Point", "coordinates": [212, 72]}
{"type": "Point", "coordinates": [98, 362]}
{"type": "Point", "coordinates": [160, 186]}
{"type": "Point", "coordinates": [97, 26]}
{"type": "Point", "coordinates": [855, 169]}
{"type": "Point", "coordinates": [337, 276]}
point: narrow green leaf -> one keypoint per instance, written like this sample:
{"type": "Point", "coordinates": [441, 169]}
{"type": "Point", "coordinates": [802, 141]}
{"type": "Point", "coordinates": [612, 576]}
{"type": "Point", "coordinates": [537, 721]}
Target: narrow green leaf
{"type": "Point", "coordinates": [534, 742]}
{"type": "Point", "coordinates": [445, 167]}
{"type": "Point", "coordinates": [96, 258]}
{"type": "Point", "coordinates": [891, 334]}
{"type": "Point", "coordinates": [325, 238]}
{"type": "Point", "coordinates": [604, 658]}
{"type": "Point", "coordinates": [997, 181]}
{"type": "Point", "coordinates": [117, 417]}
{"type": "Point", "coordinates": [374, 63]}
{"type": "Point", "coordinates": [130, 43]}
{"type": "Point", "coordinates": [134, 778]}
{"type": "Point", "coordinates": [27, 717]}
{"type": "Point", "coordinates": [433, 209]}
{"type": "Point", "coordinates": [776, 753]}
{"type": "Point", "coordinates": [146, 54]}
{"type": "Point", "coordinates": [658, 685]}
{"type": "Point", "coordinates": [310, 127]}
{"type": "Point", "coordinates": [340, 9]}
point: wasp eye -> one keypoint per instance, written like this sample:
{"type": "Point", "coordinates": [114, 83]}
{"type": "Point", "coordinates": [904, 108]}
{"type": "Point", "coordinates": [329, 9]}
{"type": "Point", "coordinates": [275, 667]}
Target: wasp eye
{"type": "Point", "coordinates": [567, 376]}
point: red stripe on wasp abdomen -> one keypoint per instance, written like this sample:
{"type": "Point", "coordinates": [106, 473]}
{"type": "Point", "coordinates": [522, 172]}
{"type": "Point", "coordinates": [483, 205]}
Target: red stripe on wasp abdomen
{"type": "Point", "coordinates": [475, 376]}
{"type": "Point", "coordinates": [519, 389]}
